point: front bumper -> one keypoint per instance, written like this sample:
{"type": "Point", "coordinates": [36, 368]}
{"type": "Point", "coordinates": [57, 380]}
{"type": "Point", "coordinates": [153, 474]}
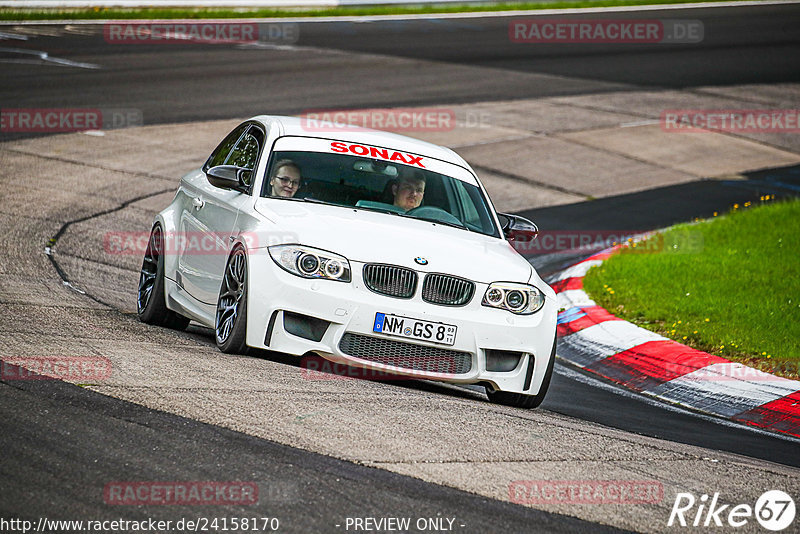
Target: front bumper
{"type": "Point", "coordinates": [350, 309]}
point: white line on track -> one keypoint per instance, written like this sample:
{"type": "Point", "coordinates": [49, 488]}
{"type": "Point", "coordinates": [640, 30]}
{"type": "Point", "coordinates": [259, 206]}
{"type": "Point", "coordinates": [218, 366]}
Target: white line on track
{"type": "Point", "coordinates": [44, 56]}
{"type": "Point", "coordinates": [5, 36]}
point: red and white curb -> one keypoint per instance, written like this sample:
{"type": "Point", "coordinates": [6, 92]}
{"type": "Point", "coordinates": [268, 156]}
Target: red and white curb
{"type": "Point", "coordinates": [641, 360]}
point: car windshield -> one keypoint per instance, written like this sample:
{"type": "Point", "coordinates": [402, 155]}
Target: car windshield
{"type": "Point", "coordinates": [373, 184]}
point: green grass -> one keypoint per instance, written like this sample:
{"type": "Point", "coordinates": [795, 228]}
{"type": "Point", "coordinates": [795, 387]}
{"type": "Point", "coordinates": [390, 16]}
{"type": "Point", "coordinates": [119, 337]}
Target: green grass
{"type": "Point", "coordinates": [729, 285]}
{"type": "Point", "coordinates": [13, 14]}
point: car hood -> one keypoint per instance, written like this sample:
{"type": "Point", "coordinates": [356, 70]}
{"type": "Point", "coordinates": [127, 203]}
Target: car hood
{"type": "Point", "coordinates": [371, 237]}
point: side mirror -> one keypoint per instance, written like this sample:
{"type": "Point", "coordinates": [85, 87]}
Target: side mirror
{"type": "Point", "coordinates": [518, 229]}
{"type": "Point", "coordinates": [228, 177]}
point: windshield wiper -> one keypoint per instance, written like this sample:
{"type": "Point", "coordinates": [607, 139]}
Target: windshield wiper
{"type": "Point", "coordinates": [316, 201]}
{"type": "Point", "coordinates": [437, 221]}
{"type": "Point", "coordinates": [379, 210]}
{"type": "Point", "coordinates": [309, 199]}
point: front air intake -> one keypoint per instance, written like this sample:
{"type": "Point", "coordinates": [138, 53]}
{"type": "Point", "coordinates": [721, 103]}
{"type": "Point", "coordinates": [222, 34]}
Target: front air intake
{"type": "Point", "coordinates": [407, 356]}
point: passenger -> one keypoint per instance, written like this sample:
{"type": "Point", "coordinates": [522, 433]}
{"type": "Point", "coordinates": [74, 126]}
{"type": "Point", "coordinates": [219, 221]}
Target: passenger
{"type": "Point", "coordinates": [408, 191]}
{"type": "Point", "coordinates": [285, 180]}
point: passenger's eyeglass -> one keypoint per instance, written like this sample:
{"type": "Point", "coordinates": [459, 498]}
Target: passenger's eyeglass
{"type": "Point", "coordinates": [286, 180]}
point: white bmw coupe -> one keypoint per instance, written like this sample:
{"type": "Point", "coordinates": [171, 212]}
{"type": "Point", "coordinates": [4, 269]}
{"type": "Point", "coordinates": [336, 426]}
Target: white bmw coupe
{"type": "Point", "coordinates": [363, 247]}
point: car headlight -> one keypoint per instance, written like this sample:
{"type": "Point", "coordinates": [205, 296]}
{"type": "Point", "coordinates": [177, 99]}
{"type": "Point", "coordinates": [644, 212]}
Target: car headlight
{"type": "Point", "coordinates": [311, 262]}
{"type": "Point", "coordinates": [516, 298]}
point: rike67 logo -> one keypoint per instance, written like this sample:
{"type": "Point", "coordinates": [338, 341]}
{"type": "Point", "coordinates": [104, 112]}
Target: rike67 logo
{"type": "Point", "coordinates": [774, 510]}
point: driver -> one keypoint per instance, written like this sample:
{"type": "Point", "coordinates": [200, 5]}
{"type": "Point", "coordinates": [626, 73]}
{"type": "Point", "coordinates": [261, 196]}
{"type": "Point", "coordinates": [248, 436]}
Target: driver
{"type": "Point", "coordinates": [408, 191]}
{"type": "Point", "coordinates": [285, 180]}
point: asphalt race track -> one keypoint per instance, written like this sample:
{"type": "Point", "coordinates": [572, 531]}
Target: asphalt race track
{"type": "Point", "coordinates": [312, 492]}
{"type": "Point", "coordinates": [435, 61]}
{"type": "Point", "coordinates": [325, 451]}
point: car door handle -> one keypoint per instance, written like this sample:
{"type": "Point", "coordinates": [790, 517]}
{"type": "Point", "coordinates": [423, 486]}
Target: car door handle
{"type": "Point", "coordinates": [198, 203]}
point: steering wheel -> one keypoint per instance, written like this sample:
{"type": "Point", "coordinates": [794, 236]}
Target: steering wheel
{"type": "Point", "coordinates": [435, 214]}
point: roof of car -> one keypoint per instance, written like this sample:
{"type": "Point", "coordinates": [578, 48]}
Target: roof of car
{"type": "Point", "coordinates": [302, 127]}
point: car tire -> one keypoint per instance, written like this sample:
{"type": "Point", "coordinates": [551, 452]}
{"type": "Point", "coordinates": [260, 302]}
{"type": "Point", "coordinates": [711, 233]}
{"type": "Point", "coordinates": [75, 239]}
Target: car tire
{"type": "Point", "coordinates": [520, 400]}
{"type": "Point", "coordinates": [151, 304]}
{"type": "Point", "coordinates": [230, 326]}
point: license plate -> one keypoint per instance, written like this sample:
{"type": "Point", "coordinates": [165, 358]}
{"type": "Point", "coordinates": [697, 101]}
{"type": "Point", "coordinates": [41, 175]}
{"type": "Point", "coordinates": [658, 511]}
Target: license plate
{"type": "Point", "coordinates": [395, 325]}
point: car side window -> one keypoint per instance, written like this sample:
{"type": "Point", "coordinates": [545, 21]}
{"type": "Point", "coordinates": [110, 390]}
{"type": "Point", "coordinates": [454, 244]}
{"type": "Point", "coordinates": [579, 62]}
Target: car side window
{"type": "Point", "coordinates": [220, 153]}
{"type": "Point", "coordinates": [245, 152]}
